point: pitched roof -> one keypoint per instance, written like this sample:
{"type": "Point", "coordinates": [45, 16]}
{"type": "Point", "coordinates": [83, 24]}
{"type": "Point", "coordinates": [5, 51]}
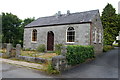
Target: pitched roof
{"type": "Point", "coordinates": [78, 17]}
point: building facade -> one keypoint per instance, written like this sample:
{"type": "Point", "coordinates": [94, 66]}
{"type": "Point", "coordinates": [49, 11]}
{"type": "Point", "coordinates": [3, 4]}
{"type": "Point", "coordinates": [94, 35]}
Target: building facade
{"type": "Point", "coordinates": [83, 28]}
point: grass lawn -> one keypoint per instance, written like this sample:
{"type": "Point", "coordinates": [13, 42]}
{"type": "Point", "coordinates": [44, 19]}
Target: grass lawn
{"type": "Point", "coordinates": [38, 54]}
{"type": "Point", "coordinates": [115, 44]}
{"type": "Point", "coordinates": [47, 55]}
{"type": "Point", "coordinates": [3, 50]}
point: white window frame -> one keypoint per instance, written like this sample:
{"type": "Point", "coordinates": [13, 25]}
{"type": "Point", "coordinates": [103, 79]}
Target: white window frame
{"type": "Point", "coordinates": [32, 36]}
{"type": "Point", "coordinates": [95, 35]}
{"type": "Point", "coordinates": [67, 36]}
{"type": "Point", "coordinates": [100, 37]}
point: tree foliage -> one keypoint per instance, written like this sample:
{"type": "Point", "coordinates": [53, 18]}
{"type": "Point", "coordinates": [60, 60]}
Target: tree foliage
{"type": "Point", "coordinates": [10, 28]}
{"type": "Point", "coordinates": [110, 24]}
{"type": "Point", "coordinates": [13, 28]}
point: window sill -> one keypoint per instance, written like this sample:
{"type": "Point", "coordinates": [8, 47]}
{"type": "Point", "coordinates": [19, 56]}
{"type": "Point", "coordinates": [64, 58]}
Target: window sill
{"type": "Point", "coordinates": [33, 41]}
{"type": "Point", "coordinates": [94, 42]}
{"type": "Point", "coordinates": [70, 42]}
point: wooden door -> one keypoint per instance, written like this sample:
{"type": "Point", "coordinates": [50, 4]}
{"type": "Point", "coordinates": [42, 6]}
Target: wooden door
{"type": "Point", "coordinates": [50, 41]}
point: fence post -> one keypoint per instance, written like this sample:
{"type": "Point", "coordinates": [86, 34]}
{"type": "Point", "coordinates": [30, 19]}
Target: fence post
{"type": "Point", "coordinates": [9, 49]}
{"type": "Point", "coordinates": [18, 50]}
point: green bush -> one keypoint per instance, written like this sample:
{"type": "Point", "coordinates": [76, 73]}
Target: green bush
{"type": "Point", "coordinates": [5, 56]}
{"type": "Point", "coordinates": [107, 48]}
{"type": "Point", "coordinates": [58, 48]}
{"type": "Point", "coordinates": [27, 49]}
{"type": "Point", "coordinates": [51, 70]}
{"type": "Point", "coordinates": [118, 43]}
{"type": "Point", "coordinates": [77, 54]}
{"type": "Point", "coordinates": [41, 48]}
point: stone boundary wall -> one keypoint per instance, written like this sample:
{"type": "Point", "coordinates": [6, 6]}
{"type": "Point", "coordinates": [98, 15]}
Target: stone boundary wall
{"type": "Point", "coordinates": [60, 62]}
{"type": "Point", "coordinates": [1, 54]}
{"type": "Point", "coordinates": [32, 59]}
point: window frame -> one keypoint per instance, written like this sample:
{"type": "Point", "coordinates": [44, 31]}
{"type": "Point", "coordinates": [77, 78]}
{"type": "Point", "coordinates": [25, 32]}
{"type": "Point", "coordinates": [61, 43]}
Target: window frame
{"type": "Point", "coordinates": [32, 36]}
{"type": "Point", "coordinates": [95, 35]}
{"type": "Point", "coordinates": [100, 37]}
{"type": "Point", "coordinates": [67, 35]}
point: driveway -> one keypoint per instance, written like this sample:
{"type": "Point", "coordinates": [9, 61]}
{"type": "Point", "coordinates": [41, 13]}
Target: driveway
{"type": "Point", "coordinates": [104, 66]}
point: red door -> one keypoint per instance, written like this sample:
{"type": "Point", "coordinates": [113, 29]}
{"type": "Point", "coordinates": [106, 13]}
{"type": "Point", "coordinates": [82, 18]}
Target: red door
{"type": "Point", "coordinates": [50, 41]}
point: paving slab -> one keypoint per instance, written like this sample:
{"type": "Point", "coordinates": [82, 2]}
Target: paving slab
{"type": "Point", "coordinates": [22, 63]}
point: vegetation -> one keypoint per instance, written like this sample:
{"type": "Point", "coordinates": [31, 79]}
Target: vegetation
{"type": "Point", "coordinates": [119, 43]}
{"type": "Point", "coordinates": [37, 54]}
{"type": "Point", "coordinates": [77, 54]}
{"type": "Point", "coordinates": [3, 50]}
{"type": "Point", "coordinates": [51, 70]}
{"type": "Point", "coordinates": [27, 49]}
{"type": "Point", "coordinates": [110, 22]}
{"type": "Point", "coordinates": [12, 28]}
{"type": "Point", "coordinates": [58, 48]}
{"type": "Point", "coordinates": [107, 48]}
{"type": "Point", "coordinates": [41, 48]}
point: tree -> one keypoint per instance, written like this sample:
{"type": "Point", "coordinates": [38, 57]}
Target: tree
{"type": "Point", "coordinates": [109, 22]}
{"type": "Point", "coordinates": [0, 29]}
{"type": "Point", "coordinates": [13, 28]}
{"type": "Point", "coordinates": [10, 28]}
{"type": "Point", "coordinates": [118, 24]}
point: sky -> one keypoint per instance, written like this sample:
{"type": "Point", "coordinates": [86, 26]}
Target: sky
{"type": "Point", "coordinates": [41, 8]}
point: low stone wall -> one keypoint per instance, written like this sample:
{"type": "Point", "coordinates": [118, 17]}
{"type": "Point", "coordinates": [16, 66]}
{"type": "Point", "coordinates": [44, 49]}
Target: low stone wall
{"type": "Point", "coordinates": [16, 53]}
{"type": "Point", "coordinates": [1, 54]}
{"type": "Point", "coordinates": [32, 59]}
{"type": "Point", "coordinates": [60, 62]}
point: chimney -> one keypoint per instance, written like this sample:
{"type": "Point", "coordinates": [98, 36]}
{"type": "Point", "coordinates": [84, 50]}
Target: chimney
{"type": "Point", "coordinates": [68, 12]}
{"type": "Point", "coordinates": [58, 14]}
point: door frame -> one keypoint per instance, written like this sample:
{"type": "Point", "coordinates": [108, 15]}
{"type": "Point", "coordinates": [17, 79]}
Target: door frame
{"type": "Point", "coordinates": [50, 41]}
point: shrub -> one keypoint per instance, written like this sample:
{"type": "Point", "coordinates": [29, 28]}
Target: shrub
{"type": "Point", "coordinates": [118, 43]}
{"type": "Point", "coordinates": [27, 49]}
{"type": "Point", "coordinates": [77, 54]}
{"type": "Point", "coordinates": [58, 48]}
{"type": "Point", "coordinates": [51, 70]}
{"type": "Point", "coordinates": [5, 56]}
{"type": "Point", "coordinates": [107, 48]}
{"type": "Point", "coordinates": [41, 48]}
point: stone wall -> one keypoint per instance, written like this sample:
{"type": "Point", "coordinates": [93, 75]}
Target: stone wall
{"type": "Point", "coordinates": [98, 47]}
{"type": "Point", "coordinates": [82, 35]}
{"type": "Point", "coordinates": [32, 59]}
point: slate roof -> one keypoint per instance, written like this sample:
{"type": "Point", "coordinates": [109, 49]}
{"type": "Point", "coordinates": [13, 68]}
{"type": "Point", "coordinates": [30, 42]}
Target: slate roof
{"type": "Point", "coordinates": [78, 17]}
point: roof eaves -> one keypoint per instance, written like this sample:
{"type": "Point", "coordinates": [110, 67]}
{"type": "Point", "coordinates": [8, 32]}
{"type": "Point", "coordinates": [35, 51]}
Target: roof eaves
{"type": "Point", "coordinates": [58, 24]}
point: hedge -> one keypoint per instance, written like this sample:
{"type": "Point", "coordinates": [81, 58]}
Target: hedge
{"type": "Point", "coordinates": [58, 48]}
{"type": "Point", "coordinates": [107, 48]}
{"type": "Point", "coordinates": [78, 54]}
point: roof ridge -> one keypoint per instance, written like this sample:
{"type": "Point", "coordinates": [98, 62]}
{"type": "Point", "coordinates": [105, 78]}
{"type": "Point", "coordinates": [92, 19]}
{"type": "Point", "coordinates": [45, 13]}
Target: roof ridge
{"type": "Point", "coordinates": [70, 13]}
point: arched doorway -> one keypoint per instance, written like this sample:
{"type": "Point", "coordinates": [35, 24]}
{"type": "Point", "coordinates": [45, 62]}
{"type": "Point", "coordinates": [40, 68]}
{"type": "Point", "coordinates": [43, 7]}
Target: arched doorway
{"type": "Point", "coordinates": [50, 41]}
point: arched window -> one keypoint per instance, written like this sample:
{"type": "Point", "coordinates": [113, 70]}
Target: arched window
{"type": "Point", "coordinates": [34, 35]}
{"type": "Point", "coordinates": [100, 37]}
{"type": "Point", "coordinates": [95, 35]}
{"type": "Point", "coordinates": [70, 34]}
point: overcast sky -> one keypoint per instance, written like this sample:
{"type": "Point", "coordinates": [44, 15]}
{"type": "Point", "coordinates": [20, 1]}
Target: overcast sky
{"type": "Point", "coordinates": [40, 8]}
